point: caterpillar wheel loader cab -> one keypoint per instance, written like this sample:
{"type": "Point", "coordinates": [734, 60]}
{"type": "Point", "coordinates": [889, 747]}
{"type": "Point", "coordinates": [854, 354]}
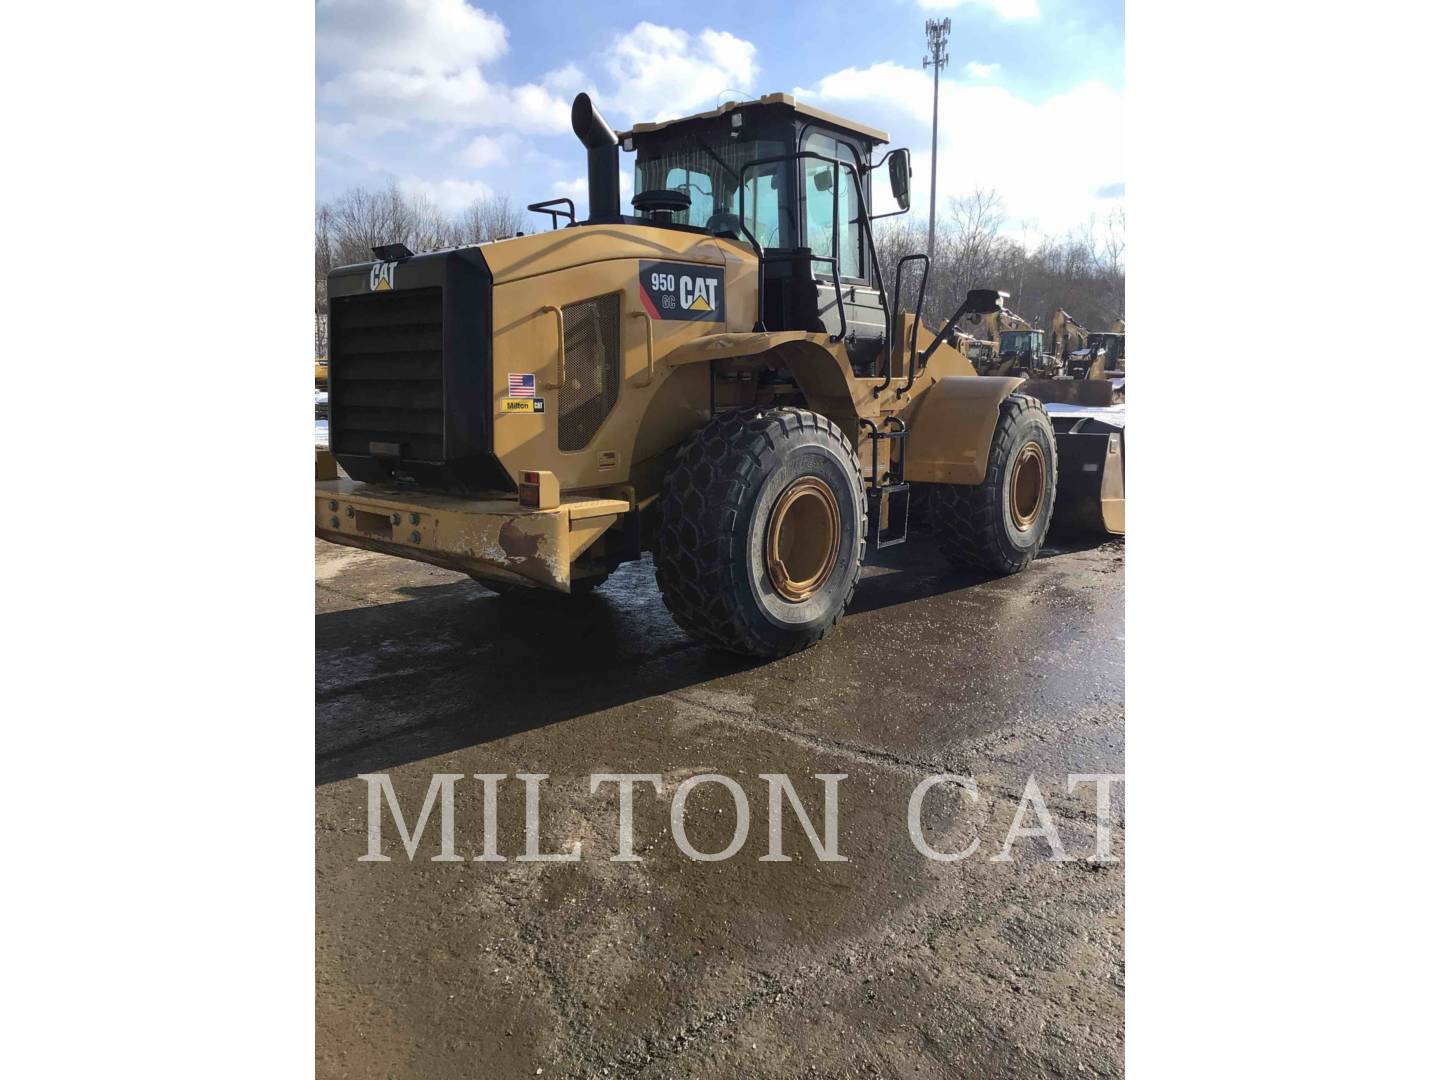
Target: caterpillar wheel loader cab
{"type": "Point", "coordinates": [719, 377]}
{"type": "Point", "coordinates": [981, 354]}
{"type": "Point", "coordinates": [986, 331]}
{"type": "Point", "coordinates": [1103, 357]}
{"type": "Point", "coordinates": [1023, 351]}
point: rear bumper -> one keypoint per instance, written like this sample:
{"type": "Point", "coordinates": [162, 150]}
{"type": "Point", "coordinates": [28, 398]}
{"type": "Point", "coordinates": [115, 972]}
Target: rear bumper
{"type": "Point", "coordinates": [497, 538]}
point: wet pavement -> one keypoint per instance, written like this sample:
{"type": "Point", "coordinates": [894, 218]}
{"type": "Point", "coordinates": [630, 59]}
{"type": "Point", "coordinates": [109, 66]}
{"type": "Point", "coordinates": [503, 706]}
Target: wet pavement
{"type": "Point", "coordinates": [886, 964]}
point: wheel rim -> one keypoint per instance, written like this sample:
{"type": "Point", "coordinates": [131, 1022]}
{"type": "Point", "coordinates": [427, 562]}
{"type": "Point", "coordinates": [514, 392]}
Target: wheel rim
{"type": "Point", "coordinates": [1027, 486]}
{"type": "Point", "coordinates": [803, 540]}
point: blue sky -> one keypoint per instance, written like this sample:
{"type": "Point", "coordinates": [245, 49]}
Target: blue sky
{"type": "Point", "coordinates": [457, 100]}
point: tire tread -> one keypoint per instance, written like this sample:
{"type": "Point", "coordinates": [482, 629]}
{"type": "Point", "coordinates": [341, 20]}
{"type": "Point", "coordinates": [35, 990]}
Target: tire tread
{"type": "Point", "coordinates": [703, 503]}
{"type": "Point", "coordinates": [967, 517]}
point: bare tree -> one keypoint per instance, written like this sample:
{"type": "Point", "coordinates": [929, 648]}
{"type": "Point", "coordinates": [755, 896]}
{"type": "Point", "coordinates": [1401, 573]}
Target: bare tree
{"type": "Point", "coordinates": [364, 218]}
{"type": "Point", "coordinates": [350, 225]}
{"type": "Point", "coordinates": [1082, 272]}
{"type": "Point", "coordinates": [324, 260]}
{"type": "Point", "coordinates": [976, 220]}
{"type": "Point", "coordinates": [487, 219]}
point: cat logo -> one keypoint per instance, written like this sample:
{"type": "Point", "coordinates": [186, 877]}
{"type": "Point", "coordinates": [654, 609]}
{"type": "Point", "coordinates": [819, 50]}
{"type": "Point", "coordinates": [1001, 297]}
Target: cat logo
{"type": "Point", "coordinates": [695, 293]}
{"type": "Point", "coordinates": [682, 291]}
{"type": "Point", "coordinates": [382, 276]}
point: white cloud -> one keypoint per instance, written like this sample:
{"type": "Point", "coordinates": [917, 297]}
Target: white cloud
{"type": "Point", "coordinates": [448, 195]}
{"type": "Point", "coordinates": [576, 188]}
{"type": "Point", "coordinates": [406, 89]}
{"type": "Point", "coordinates": [458, 97]}
{"type": "Point", "coordinates": [981, 71]}
{"type": "Point", "coordinates": [418, 35]}
{"type": "Point", "coordinates": [1006, 9]}
{"type": "Point", "coordinates": [579, 190]}
{"type": "Point", "coordinates": [347, 136]}
{"type": "Point", "coordinates": [566, 80]}
{"type": "Point", "coordinates": [487, 150]}
{"type": "Point", "coordinates": [661, 72]}
{"type": "Point", "coordinates": [419, 61]}
{"type": "Point", "coordinates": [992, 139]}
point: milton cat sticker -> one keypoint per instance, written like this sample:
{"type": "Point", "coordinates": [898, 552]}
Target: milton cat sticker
{"type": "Point", "coordinates": [683, 291]}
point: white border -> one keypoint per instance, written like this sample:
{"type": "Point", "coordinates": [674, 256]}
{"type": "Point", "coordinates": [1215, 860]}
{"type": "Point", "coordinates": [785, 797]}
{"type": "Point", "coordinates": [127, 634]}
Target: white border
{"type": "Point", "coordinates": [158, 576]}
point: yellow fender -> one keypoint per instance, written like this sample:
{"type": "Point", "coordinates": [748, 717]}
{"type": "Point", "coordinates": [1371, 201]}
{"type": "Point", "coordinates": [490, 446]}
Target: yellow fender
{"type": "Point", "coordinates": [817, 364]}
{"type": "Point", "coordinates": [952, 427]}
{"type": "Point", "coordinates": [728, 346]}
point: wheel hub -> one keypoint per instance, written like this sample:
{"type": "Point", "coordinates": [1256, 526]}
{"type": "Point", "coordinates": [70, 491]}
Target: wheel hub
{"type": "Point", "coordinates": [802, 543]}
{"type": "Point", "coordinates": [1027, 486]}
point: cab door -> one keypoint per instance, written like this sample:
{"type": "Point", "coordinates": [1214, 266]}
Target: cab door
{"type": "Point", "coordinates": [833, 229]}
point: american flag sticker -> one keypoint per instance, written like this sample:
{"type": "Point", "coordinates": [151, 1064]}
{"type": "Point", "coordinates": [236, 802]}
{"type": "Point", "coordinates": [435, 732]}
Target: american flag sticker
{"type": "Point", "coordinates": [522, 385]}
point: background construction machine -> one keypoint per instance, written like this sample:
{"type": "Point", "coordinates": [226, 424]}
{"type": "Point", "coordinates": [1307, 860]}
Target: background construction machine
{"type": "Point", "coordinates": [988, 342]}
{"type": "Point", "coordinates": [1078, 366]}
{"type": "Point", "coordinates": [1066, 337]}
{"type": "Point", "coordinates": [1103, 356]}
{"type": "Point", "coordinates": [681, 380]}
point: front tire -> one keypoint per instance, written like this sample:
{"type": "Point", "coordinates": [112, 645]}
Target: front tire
{"type": "Point", "coordinates": [999, 526]}
{"type": "Point", "coordinates": [762, 531]}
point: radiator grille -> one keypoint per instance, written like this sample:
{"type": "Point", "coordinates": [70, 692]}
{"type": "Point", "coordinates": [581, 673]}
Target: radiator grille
{"type": "Point", "coordinates": [386, 381]}
{"type": "Point", "coordinates": [592, 368]}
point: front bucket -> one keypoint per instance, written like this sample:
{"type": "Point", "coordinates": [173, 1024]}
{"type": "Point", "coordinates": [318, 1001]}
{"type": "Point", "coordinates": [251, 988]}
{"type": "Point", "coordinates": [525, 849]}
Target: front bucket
{"type": "Point", "coordinates": [1101, 392]}
{"type": "Point", "coordinates": [1090, 485]}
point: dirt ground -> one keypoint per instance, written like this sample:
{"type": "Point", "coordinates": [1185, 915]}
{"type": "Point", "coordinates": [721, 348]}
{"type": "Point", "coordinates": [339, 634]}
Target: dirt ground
{"type": "Point", "coordinates": [887, 964]}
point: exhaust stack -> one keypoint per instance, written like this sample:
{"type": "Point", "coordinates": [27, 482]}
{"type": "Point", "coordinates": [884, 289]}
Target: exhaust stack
{"type": "Point", "coordinates": [603, 151]}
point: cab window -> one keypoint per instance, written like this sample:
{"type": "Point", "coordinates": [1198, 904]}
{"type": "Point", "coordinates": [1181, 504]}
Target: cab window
{"type": "Point", "coordinates": [700, 187]}
{"type": "Point", "coordinates": [710, 174]}
{"type": "Point", "coordinates": [820, 181]}
{"type": "Point", "coordinates": [762, 202]}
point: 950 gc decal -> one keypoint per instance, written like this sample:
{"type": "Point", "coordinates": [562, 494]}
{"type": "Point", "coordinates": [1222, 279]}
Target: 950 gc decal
{"type": "Point", "coordinates": [683, 291]}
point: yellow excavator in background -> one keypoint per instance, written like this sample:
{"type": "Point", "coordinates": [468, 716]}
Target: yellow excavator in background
{"type": "Point", "coordinates": [1066, 337]}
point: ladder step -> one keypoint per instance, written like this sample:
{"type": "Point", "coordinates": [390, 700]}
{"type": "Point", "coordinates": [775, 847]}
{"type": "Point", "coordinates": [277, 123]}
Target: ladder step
{"type": "Point", "coordinates": [889, 513]}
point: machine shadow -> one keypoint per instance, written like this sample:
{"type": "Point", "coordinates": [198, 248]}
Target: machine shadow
{"type": "Point", "coordinates": [917, 570]}
{"type": "Point", "coordinates": [455, 666]}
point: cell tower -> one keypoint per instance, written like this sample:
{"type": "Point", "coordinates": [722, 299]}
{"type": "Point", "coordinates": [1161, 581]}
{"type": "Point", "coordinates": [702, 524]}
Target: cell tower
{"type": "Point", "coordinates": [937, 36]}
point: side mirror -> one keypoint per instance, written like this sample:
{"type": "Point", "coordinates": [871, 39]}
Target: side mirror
{"type": "Point", "coordinates": [900, 178]}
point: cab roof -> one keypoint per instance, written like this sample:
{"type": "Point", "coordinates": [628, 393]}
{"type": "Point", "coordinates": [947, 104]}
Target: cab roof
{"type": "Point", "coordinates": [786, 101]}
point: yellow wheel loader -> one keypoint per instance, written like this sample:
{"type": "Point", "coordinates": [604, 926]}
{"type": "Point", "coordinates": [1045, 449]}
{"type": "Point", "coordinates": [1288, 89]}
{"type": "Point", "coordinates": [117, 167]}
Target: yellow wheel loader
{"type": "Point", "coordinates": [1076, 369]}
{"type": "Point", "coordinates": [720, 377]}
{"type": "Point", "coordinates": [1103, 357]}
{"type": "Point", "coordinates": [989, 347]}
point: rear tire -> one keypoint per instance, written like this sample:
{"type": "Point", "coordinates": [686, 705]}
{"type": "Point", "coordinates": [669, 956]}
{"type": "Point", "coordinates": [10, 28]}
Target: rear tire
{"type": "Point", "coordinates": [762, 531]}
{"type": "Point", "coordinates": [999, 526]}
